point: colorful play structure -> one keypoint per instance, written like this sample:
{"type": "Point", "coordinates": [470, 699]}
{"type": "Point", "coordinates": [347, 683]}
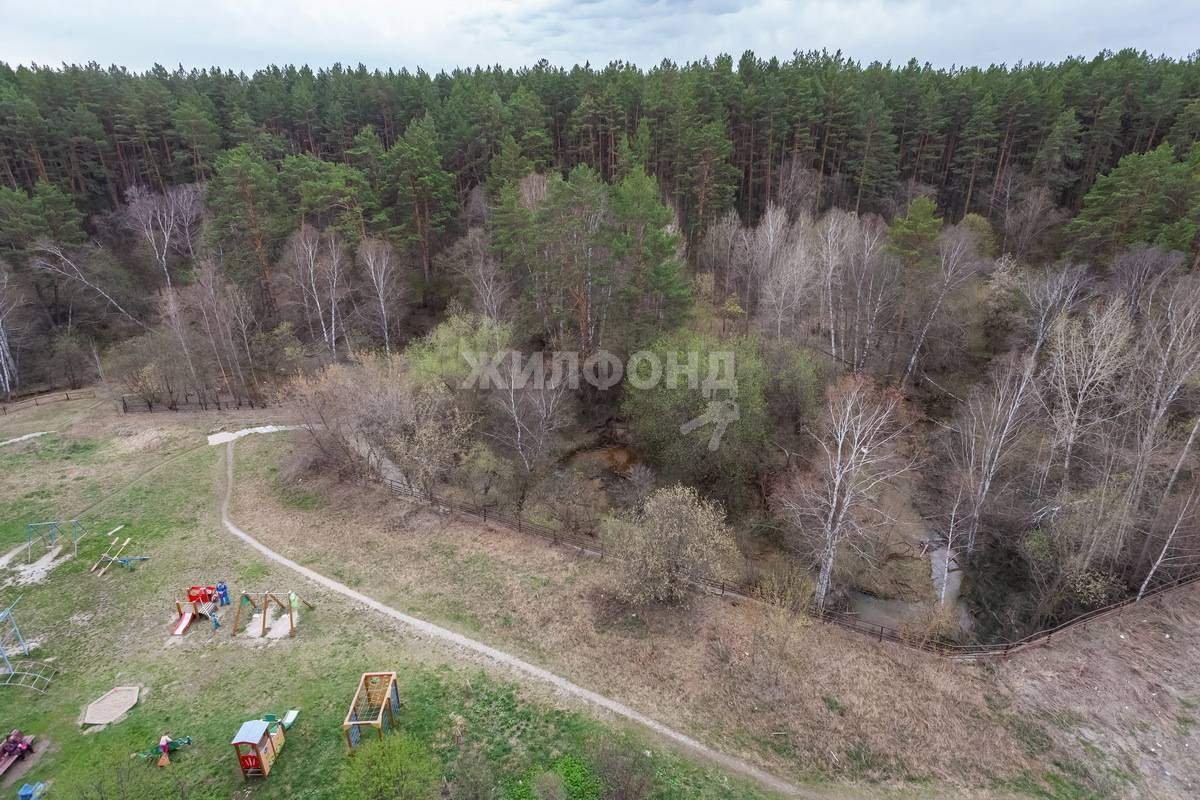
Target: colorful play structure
{"type": "Point", "coordinates": [261, 603]}
{"type": "Point", "coordinates": [375, 706]}
{"type": "Point", "coordinates": [34, 791]}
{"type": "Point", "coordinates": [257, 745]}
{"type": "Point", "coordinates": [202, 601]}
{"type": "Point", "coordinates": [153, 753]}
{"type": "Point", "coordinates": [114, 554]}
{"type": "Point", "coordinates": [35, 675]}
{"type": "Point", "coordinates": [51, 533]}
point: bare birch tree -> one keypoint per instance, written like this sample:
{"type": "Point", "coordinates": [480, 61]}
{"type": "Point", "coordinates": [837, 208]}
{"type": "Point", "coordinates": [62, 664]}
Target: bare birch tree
{"type": "Point", "coordinates": [10, 301]}
{"type": "Point", "coordinates": [958, 262]}
{"type": "Point", "coordinates": [1137, 272]}
{"type": "Point", "coordinates": [52, 259]}
{"type": "Point", "coordinates": [1048, 293]}
{"type": "Point", "coordinates": [787, 277]}
{"type": "Point", "coordinates": [719, 249]}
{"type": "Point", "coordinates": [171, 314]}
{"type": "Point", "coordinates": [318, 263]}
{"type": "Point", "coordinates": [865, 294]}
{"type": "Point", "coordinates": [796, 188]}
{"type": "Point", "coordinates": [1170, 554]}
{"type": "Point", "coordinates": [1026, 220]}
{"type": "Point", "coordinates": [1086, 357]}
{"type": "Point", "coordinates": [1167, 360]}
{"type": "Point", "coordinates": [378, 260]}
{"type": "Point", "coordinates": [836, 501]}
{"type": "Point", "coordinates": [167, 222]}
{"type": "Point", "coordinates": [952, 536]}
{"type": "Point", "coordinates": [473, 259]}
{"type": "Point", "coordinates": [530, 410]}
{"type": "Point", "coordinates": [982, 435]}
{"type": "Point", "coordinates": [767, 243]}
{"type": "Point", "coordinates": [833, 244]}
{"type": "Point", "coordinates": [213, 299]}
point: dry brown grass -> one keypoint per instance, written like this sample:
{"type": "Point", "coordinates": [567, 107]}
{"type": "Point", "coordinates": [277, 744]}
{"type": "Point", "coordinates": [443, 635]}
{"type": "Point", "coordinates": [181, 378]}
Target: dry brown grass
{"type": "Point", "coordinates": [1128, 686]}
{"type": "Point", "coordinates": [801, 698]}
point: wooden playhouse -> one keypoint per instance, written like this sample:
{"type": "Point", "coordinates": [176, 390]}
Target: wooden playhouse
{"type": "Point", "coordinates": [375, 707]}
{"type": "Point", "coordinates": [257, 744]}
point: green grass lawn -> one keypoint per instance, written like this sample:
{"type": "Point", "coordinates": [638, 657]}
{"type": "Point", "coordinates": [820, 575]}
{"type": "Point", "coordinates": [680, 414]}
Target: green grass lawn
{"type": "Point", "coordinates": [104, 632]}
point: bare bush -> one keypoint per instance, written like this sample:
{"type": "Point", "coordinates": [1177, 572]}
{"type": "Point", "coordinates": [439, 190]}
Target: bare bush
{"type": "Point", "coordinates": [369, 415]}
{"type": "Point", "coordinates": [679, 538]}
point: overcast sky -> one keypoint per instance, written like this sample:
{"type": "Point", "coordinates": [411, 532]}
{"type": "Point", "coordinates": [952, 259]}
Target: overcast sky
{"type": "Point", "coordinates": [246, 34]}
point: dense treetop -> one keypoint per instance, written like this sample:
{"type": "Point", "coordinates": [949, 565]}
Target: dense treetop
{"type": "Point", "coordinates": [715, 133]}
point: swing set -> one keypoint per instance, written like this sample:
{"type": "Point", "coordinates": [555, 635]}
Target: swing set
{"type": "Point", "coordinates": [49, 533]}
{"type": "Point", "coordinates": [261, 603]}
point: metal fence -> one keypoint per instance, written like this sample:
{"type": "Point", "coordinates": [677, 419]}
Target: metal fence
{"type": "Point", "coordinates": [594, 546]}
{"type": "Point", "coordinates": [133, 404]}
{"type": "Point", "coordinates": [45, 400]}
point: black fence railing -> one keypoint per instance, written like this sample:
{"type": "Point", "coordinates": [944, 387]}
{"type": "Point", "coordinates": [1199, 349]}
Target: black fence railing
{"type": "Point", "coordinates": [134, 404]}
{"type": "Point", "coordinates": [594, 545]}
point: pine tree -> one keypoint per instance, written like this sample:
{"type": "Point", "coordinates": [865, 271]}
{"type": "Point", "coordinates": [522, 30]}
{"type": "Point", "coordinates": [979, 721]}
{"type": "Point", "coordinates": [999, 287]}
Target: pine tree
{"type": "Point", "coordinates": [199, 135]}
{"type": "Point", "coordinates": [913, 237]}
{"type": "Point", "coordinates": [1148, 198]}
{"type": "Point", "coordinates": [424, 190]}
{"type": "Point", "coordinates": [367, 154]}
{"type": "Point", "coordinates": [710, 181]}
{"type": "Point", "coordinates": [1057, 161]}
{"type": "Point", "coordinates": [655, 284]}
{"type": "Point", "coordinates": [976, 148]}
{"type": "Point", "coordinates": [509, 165]}
{"type": "Point", "coordinates": [872, 157]}
{"type": "Point", "coordinates": [247, 212]}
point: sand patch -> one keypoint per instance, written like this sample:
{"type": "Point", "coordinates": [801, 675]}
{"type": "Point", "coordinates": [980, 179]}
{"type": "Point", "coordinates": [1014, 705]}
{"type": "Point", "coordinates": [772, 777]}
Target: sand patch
{"type": "Point", "coordinates": [13, 650]}
{"type": "Point", "coordinates": [137, 441]}
{"type": "Point", "coordinates": [231, 436]}
{"type": "Point", "coordinates": [24, 438]}
{"type": "Point", "coordinates": [8, 557]}
{"type": "Point", "coordinates": [278, 626]}
{"type": "Point", "coordinates": [110, 707]}
{"type": "Point", "coordinates": [38, 571]}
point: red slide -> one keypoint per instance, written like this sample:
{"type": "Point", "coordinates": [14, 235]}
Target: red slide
{"type": "Point", "coordinates": [181, 624]}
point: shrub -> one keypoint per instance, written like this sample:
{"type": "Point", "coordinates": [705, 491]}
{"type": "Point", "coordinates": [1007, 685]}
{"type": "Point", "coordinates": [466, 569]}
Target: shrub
{"type": "Point", "coordinates": [626, 773]}
{"type": "Point", "coordinates": [680, 537]}
{"type": "Point", "coordinates": [396, 767]}
{"type": "Point", "coordinates": [474, 778]}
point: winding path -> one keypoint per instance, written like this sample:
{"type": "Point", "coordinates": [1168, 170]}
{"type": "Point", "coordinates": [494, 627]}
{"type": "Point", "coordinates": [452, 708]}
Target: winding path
{"type": "Point", "coordinates": [724, 760]}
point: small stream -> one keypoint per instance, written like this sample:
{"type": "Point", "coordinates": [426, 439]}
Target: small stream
{"type": "Point", "coordinates": [898, 613]}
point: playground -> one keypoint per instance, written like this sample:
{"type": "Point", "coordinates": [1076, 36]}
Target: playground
{"type": "Point", "coordinates": [101, 632]}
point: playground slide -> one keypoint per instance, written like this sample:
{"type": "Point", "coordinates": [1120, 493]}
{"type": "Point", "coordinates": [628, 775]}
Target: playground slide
{"type": "Point", "coordinates": [181, 624]}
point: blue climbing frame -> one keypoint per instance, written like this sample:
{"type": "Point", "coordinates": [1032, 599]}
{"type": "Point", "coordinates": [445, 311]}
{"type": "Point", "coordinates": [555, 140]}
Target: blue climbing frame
{"type": "Point", "coordinates": [51, 532]}
{"type": "Point", "coordinates": [9, 633]}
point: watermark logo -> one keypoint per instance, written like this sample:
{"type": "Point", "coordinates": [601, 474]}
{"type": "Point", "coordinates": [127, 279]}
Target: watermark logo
{"type": "Point", "coordinates": [720, 414]}
{"type": "Point", "coordinates": [715, 380]}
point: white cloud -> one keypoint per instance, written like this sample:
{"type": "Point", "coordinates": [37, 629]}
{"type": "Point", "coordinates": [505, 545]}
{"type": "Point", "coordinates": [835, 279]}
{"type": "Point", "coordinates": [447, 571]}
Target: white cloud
{"type": "Point", "coordinates": [247, 34]}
